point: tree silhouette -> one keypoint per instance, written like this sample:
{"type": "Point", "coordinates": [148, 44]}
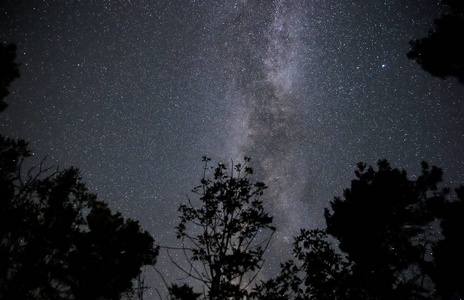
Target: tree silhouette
{"type": "Point", "coordinates": [384, 225]}
{"type": "Point", "coordinates": [8, 71]}
{"type": "Point", "coordinates": [449, 251]}
{"type": "Point", "coordinates": [225, 237]}
{"type": "Point", "coordinates": [441, 52]}
{"type": "Point", "coordinates": [390, 246]}
{"type": "Point", "coordinates": [183, 292]}
{"type": "Point", "coordinates": [319, 272]}
{"type": "Point", "coordinates": [57, 240]}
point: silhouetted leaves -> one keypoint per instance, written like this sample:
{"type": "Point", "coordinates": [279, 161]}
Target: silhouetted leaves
{"type": "Point", "coordinates": [225, 236]}
{"type": "Point", "coordinates": [387, 227]}
{"type": "Point", "coordinates": [8, 71]}
{"type": "Point", "coordinates": [58, 240]}
{"type": "Point", "coordinates": [383, 224]}
{"type": "Point", "coordinates": [318, 272]}
{"type": "Point", "coordinates": [449, 252]}
{"type": "Point", "coordinates": [183, 292]}
{"type": "Point", "coordinates": [441, 53]}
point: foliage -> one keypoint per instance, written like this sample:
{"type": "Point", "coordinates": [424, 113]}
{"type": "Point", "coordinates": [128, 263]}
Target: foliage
{"type": "Point", "coordinates": [384, 224]}
{"type": "Point", "coordinates": [448, 252]}
{"type": "Point", "coordinates": [225, 237]}
{"type": "Point", "coordinates": [8, 71]}
{"type": "Point", "coordinates": [441, 52]}
{"type": "Point", "coordinates": [318, 273]}
{"type": "Point", "coordinates": [183, 292]}
{"type": "Point", "coordinates": [57, 240]}
{"type": "Point", "coordinates": [387, 228]}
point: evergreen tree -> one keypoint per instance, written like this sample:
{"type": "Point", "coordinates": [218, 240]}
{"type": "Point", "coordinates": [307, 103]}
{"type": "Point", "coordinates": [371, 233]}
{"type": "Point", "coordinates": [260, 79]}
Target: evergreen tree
{"type": "Point", "coordinates": [441, 52]}
{"type": "Point", "coordinates": [388, 237]}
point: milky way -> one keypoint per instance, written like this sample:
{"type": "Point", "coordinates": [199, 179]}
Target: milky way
{"type": "Point", "coordinates": [134, 94]}
{"type": "Point", "coordinates": [274, 122]}
{"type": "Point", "coordinates": [263, 70]}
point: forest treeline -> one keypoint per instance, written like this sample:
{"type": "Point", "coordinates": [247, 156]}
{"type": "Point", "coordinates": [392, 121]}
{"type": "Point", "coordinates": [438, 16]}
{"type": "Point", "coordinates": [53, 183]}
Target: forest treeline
{"type": "Point", "coordinates": [387, 236]}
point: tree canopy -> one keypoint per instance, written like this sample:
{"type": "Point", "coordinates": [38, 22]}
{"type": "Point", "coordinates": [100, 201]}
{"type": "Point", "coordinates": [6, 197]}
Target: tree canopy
{"type": "Point", "coordinates": [441, 52]}
{"type": "Point", "coordinates": [224, 234]}
{"type": "Point", "coordinates": [383, 225]}
{"type": "Point", "coordinates": [57, 240]}
{"type": "Point", "coordinates": [9, 71]}
{"type": "Point", "coordinates": [388, 237]}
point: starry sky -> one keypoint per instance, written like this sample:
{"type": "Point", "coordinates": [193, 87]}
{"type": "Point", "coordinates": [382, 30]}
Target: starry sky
{"type": "Point", "coordinates": [134, 93]}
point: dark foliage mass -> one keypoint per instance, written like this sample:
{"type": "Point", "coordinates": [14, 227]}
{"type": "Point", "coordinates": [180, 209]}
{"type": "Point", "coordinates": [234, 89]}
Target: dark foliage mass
{"type": "Point", "coordinates": [57, 240]}
{"type": "Point", "coordinates": [441, 52]}
{"type": "Point", "coordinates": [384, 225]}
{"type": "Point", "coordinates": [319, 272]}
{"type": "Point", "coordinates": [8, 71]}
{"type": "Point", "coordinates": [398, 239]}
{"type": "Point", "coordinates": [380, 224]}
{"type": "Point", "coordinates": [448, 252]}
{"type": "Point", "coordinates": [182, 292]}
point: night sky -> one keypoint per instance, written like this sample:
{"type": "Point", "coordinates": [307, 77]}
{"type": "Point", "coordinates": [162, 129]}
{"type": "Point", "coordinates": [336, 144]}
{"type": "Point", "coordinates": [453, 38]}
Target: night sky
{"type": "Point", "coordinates": [134, 93]}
